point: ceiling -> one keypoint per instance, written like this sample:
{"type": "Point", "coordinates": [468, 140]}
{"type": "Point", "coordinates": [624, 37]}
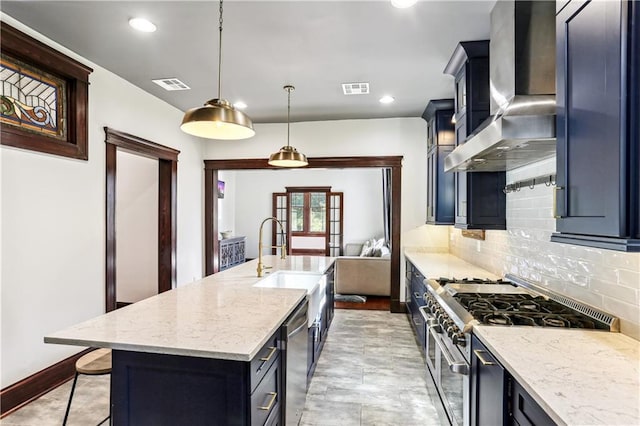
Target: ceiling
{"type": "Point", "coordinates": [313, 45]}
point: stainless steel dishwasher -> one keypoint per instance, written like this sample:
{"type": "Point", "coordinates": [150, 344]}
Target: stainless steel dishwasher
{"type": "Point", "coordinates": [295, 333]}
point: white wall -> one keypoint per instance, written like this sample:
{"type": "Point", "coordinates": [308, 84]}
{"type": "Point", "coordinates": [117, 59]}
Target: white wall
{"type": "Point", "coordinates": [362, 200]}
{"type": "Point", "coordinates": [375, 137]}
{"type": "Point", "coordinates": [53, 222]}
{"type": "Point", "coordinates": [227, 205]}
{"type": "Point", "coordinates": [136, 227]}
{"type": "Point", "coordinates": [606, 279]}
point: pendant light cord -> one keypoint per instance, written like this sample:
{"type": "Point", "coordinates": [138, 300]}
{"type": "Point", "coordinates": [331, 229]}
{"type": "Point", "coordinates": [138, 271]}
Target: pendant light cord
{"type": "Point", "coordinates": [288, 112]}
{"type": "Point", "coordinates": [220, 52]}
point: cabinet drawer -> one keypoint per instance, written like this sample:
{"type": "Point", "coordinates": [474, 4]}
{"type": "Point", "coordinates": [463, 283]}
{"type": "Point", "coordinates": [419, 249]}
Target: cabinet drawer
{"type": "Point", "coordinates": [267, 396]}
{"type": "Point", "coordinates": [275, 418]}
{"type": "Point", "coordinates": [525, 411]}
{"type": "Point", "coordinates": [263, 360]}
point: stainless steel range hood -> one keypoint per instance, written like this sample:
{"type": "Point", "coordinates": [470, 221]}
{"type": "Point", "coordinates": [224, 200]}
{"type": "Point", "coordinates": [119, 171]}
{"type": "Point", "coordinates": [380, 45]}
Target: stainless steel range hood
{"type": "Point", "coordinates": [521, 128]}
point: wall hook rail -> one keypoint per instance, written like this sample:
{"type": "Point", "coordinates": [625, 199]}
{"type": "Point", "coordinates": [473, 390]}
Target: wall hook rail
{"type": "Point", "coordinates": [548, 180]}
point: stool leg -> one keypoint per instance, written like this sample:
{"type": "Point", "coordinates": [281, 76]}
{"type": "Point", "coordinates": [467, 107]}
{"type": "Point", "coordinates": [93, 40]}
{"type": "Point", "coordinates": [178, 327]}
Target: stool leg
{"type": "Point", "coordinates": [73, 388]}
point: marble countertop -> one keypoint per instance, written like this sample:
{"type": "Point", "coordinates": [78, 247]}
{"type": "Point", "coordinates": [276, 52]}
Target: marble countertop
{"type": "Point", "coordinates": [436, 265]}
{"type": "Point", "coordinates": [579, 377]}
{"type": "Point", "coordinates": [220, 316]}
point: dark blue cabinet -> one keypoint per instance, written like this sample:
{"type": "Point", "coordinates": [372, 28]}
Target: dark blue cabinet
{"type": "Point", "coordinates": [414, 291]}
{"type": "Point", "coordinates": [440, 143]}
{"type": "Point", "coordinates": [488, 387]}
{"type": "Point", "coordinates": [480, 202]}
{"type": "Point", "coordinates": [596, 199]}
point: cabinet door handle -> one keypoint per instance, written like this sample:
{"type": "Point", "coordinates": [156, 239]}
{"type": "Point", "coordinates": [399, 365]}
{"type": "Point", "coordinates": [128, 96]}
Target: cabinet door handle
{"type": "Point", "coordinates": [481, 358]}
{"type": "Point", "coordinates": [267, 407]}
{"type": "Point", "coordinates": [555, 202]}
{"type": "Point", "coordinates": [268, 357]}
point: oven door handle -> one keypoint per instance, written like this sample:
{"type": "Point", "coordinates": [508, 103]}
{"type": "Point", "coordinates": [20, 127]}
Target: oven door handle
{"type": "Point", "coordinates": [456, 367]}
{"type": "Point", "coordinates": [430, 320]}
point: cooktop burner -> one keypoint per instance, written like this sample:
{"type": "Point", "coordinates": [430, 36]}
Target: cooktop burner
{"type": "Point", "coordinates": [445, 281]}
{"type": "Point", "coordinates": [522, 309]}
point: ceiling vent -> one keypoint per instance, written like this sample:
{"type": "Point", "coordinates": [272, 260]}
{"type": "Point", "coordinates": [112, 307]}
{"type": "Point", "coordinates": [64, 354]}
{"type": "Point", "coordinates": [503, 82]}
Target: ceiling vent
{"type": "Point", "coordinates": [355, 88]}
{"type": "Point", "coordinates": [171, 84]}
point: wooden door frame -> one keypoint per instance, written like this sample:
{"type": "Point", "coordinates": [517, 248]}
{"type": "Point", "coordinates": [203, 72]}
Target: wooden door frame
{"type": "Point", "coordinates": [212, 167]}
{"type": "Point", "coordinates": [167, 201]}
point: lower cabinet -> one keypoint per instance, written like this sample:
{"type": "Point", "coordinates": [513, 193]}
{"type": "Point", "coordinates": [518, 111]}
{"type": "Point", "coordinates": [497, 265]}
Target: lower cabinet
{"type": "Point", "coordinates": [496, 397]}
{"type": "Point", "coordinates": [320, 327]}
{"type": "Point", "coordinates": [524, 410]}
{"type": "Point", "coordinates": [488, 387]}
{"type": "Point", "coordinates": [158, 389]}
{"type": "Point", "coordinates": [415, 289]}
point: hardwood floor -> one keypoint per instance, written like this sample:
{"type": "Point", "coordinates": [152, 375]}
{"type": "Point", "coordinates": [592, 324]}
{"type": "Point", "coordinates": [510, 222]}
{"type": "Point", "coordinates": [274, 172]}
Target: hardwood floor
{"type": "Point", "coordinates": [373, 303]}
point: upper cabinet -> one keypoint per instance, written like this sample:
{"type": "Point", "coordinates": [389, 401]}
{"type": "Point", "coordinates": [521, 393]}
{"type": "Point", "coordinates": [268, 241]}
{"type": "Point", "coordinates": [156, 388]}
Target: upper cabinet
{"type": "Point", "coordinates": [597, 192]}
{"type": "Point", "coordinates": [440, 143]}
{"type": "Point", "coordinates": [480, 202]}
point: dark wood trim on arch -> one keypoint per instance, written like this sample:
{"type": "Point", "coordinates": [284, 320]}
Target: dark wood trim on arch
{"type": "Point", "coordinates": [393, 162]}
{"type": "Point", "coordinates": [140, 146]}
{"type": "Point", "coordinates": [316, 162]}
{"type": "Point", "coordinates": [167, 207]}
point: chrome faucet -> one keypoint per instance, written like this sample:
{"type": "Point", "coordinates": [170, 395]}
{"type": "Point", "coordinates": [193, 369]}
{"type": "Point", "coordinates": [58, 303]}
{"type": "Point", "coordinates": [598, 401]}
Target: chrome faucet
{"type": "Point", "coordinates": [283, 247]}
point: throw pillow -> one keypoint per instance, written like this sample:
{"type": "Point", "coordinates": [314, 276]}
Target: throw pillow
{"type": "Point", "coordinates": [367, 248]}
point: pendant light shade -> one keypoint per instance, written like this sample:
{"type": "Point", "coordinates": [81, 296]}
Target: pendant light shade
{"type": "Point", "coordinates": [217, 119]}
{"type": "Point", "coordinates": [288, 156]}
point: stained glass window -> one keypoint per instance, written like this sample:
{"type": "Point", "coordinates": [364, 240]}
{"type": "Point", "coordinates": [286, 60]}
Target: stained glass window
{"type": "Point", "coordinates": [31, 100]}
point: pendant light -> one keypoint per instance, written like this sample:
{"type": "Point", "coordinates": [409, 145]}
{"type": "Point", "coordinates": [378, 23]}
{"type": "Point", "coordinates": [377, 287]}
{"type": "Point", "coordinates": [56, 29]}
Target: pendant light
{"type": "Point", "coordinates": [288, 156]}
{"type": "Point", "coordinates": [218, 119]}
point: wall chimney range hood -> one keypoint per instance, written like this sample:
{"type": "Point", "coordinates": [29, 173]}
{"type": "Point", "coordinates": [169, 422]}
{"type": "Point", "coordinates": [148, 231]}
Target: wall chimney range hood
{"type": "Point", "coordinates": [521, 128]}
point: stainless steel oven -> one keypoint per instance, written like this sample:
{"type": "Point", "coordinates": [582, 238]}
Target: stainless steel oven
{"type": "Point", "coordinates": [429, 341]}
{"type": "Point", "coordinates": [453, 307]}
{"type": "Point", "coordinates": [451, 377]}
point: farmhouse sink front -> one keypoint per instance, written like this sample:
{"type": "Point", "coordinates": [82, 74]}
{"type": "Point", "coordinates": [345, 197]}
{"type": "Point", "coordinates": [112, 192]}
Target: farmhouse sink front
{"type": "Point", "coordinates": [313, 283]}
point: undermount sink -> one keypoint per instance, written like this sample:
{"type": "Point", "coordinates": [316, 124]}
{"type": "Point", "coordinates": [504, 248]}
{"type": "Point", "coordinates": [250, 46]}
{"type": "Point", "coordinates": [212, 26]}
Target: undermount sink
{"type": "Point", "coordinates": [313, 283]}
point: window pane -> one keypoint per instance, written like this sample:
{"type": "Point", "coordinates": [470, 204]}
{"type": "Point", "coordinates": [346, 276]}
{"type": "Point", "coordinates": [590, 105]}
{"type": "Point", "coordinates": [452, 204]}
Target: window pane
{"type": "Point", "coordinates": [318, 199]}
{"type": "Point", "coordinates": [297, 219]}
{"type": "Point", "coordinates": [297, 199]}
{"type": "Point", "coordinates": [318, 212]}
{"type": "Point", "coordinates": [297, 212]}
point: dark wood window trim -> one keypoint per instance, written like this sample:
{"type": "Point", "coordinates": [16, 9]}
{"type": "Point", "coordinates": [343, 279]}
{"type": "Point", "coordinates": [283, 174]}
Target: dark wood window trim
{"type": "Point", "coordinates": [392, 162]}
{"type": "Point", "coordinates": [167, 201]}
{"type": "Point", "coordinates": [20, 46]}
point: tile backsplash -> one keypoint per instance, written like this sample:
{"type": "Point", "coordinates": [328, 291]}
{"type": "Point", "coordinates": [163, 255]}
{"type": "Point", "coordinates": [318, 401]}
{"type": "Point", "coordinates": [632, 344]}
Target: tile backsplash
{"type": "Point", "coordinates": [605, 279]}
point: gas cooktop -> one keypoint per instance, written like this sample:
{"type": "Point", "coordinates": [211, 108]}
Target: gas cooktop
{"type": "Point", "coordinates": [523, 309]}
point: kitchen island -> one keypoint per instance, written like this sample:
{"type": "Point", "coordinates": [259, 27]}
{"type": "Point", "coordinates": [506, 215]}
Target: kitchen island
{"type": "Point", "coordinates": [199, 352]}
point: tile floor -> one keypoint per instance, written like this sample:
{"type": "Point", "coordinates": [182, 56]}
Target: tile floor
{"type": "Point", "coordinates": [370, 373]}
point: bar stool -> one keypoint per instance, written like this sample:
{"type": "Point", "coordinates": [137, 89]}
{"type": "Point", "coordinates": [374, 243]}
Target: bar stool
{"type": "Point", "coordinates": [95, 363]}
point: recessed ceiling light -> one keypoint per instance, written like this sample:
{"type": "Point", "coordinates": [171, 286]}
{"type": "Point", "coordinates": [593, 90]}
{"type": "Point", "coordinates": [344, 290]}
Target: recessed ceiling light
{"type": "Point", "coordinates": [239, 105]}
{"type": "Point", "coordinates": [403, 4]}
{"type": "Point", "coordinates": [386, 99]}
{"type": "Point", "coordinates": [142, 24]}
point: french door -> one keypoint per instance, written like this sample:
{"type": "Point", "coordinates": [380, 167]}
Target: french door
{"type": "Point", "coordinates": [312, 219]}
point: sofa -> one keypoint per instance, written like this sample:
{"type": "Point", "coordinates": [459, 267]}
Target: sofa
{"type": "Point", "coordinates": [362, 275]}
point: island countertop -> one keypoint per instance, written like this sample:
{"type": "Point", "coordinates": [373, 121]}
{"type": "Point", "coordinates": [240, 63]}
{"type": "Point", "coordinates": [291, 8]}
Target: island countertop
{"type": "Point", "coordinates": [220, 316]}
